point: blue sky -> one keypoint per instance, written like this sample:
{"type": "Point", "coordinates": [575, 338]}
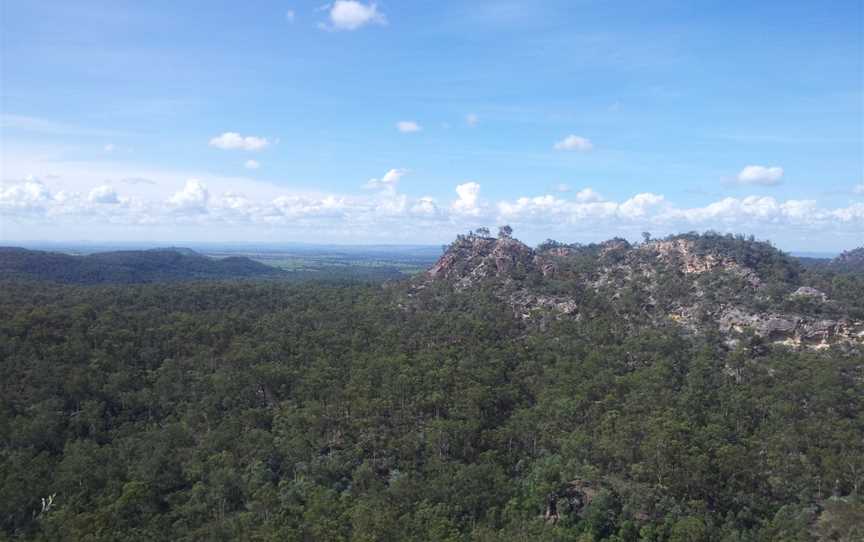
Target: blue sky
{"type": "Point", "coordinates": [366, 122]}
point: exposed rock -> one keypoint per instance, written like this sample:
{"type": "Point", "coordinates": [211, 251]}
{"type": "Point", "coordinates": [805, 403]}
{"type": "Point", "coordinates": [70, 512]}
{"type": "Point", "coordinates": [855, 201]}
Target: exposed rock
{"type": "Point", "coordinates": [798, 331]}
{"type": "Point", "coordinates": [808, 292]}
{"type": "Point", "coordinates": [683, 254]}
{"type": "Point", "coordinates": [664, 280]}
{"type": "Point", "coordinates": [472, 258]}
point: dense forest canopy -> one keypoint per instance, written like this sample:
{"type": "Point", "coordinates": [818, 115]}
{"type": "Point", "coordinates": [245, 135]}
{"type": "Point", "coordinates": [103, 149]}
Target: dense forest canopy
{"type": "Point", "coordinates": [426, 410]}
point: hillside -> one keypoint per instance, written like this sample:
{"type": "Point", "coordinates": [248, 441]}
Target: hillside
{"type": "Point", "coordinates": [126, 267]}
{"type": "Point", "coordinates": [703, 283]}
{"type": "Point", "coordinates": [851, 260]}
{"type": "Point", "coordinates": [668, 391]}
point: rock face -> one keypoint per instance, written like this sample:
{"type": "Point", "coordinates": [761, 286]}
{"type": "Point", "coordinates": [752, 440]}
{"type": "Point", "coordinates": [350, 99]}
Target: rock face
{"type": "Point", "coordinates": [808, 292]}
{"type": "Point", "coordinates": [793, 330]}
{"type": "Point", "coordinates": [683, 254]}
{"type": "Point", "coordinates": [681, 279]}
{"type": "Point", "coordinates": [472, 258]}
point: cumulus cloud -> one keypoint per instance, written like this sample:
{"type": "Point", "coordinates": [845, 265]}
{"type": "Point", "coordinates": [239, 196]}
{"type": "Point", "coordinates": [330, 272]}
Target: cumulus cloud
{"type": "Point", "coordinates": [640, 205]}
{"type": "Point", "coordinates": [234, 201]}
{"type": "Point", "coordinates": [109, 148]}
{"type": "Point", "coordinates": [587, 205]}
{"type": "Point", "coordinates": [761, 175]}
{"type": "Point", "coordinates": [224, 207]}
{"type": "Point", "coordinates": [858, 189]}
{"type": "Point", "coordinates": [234, 141]}
{"type": "Point", "coordinates": [853, 213]}
{"type": "Point", "coordinates": [471, 119]}
{"type": "Point", "coordinates": [467, 201]}
{"type": "Point", "coordinates": [28, 196]}
{"type": "Point", "coordinates": [743, 213]}
{"type": "Point", "coordinates": [290, 15]}
{"type": "Point", "coordinates": [425, 206]}
{"type": "Point", "coordinates": [529, 208]}
{"type": "Point", "coordinates": [103, 194]}
{"type": "Point", "coordinates": [252, 164]}
{"type": "Point", "coordinates": [193, 197]}
{"type": "Point", "coordinates": [388, 181]}
{"type": "Point", "coordinates": [574, 143]}
{"type": "Point", "coordinates": [408, 126]}
{"type": "Point", "coordinates": [294, 207]}
{"type": "Point", "coordinates": [351, 15]}
{"type": "Point", "coordinates": [587, 195]}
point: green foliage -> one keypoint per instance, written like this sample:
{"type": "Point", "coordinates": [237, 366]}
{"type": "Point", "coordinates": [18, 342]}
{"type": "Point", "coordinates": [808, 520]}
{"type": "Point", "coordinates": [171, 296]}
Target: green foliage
{"type": "Point", "coordinates": [127, 266]}
{"type": "Point", "coordinates": [270, 411]}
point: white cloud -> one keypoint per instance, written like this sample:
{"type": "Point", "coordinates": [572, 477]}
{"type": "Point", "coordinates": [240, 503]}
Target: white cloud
{"type": "Point", "coordinates": [531, 208]}
{"type": "Point", "coordinates": [574, 143]}
{"type": "Point", "coordinates": [586, 206]}
{"type": "Point", "coordinates": [290, 15]}
{"type": "Point", "coordinates": [109, 148]}
{"type": "Point", "coordinates": [351, 15]}
{"type": "Point", "coordinates": [745, 212]}
{"type": "Point", "coordinates": [639, 205]}
{"type": "Point", "coordinates": [472, 119]}
{"type": "Point", "coordinates": [252, 164]}
{"type": "Point", "coordinates": [853, 213]}
{"type": "Point", "coordinates": [588, 195]}
{"type": "Point", "coordinates": [294, 207]}
{"type": "Point", "coordinates": [26, 197]}
{"type": "Point", "coordinates": [60, 202]}
{"type": "Point", "coordinates": [425, 206]}
{"type": "Point", "coordinates": [467, 202]}
{"type": "Point", "coordinates": [391, 204]}
{"type": "Point", "coordinates": [408, 126]}
{"type": "Point", "coordinates": [193, 197]}
{"type": "Point", "coordinates": [234, 201]}
{"type": "Point", "coordinates": [761, 175]}
{"type": "Point", "coordinates": [858, 189]}
{"type": "Point", "coordinates": [103, 194]}
{"type": "Point", "coordinates": [388, 181]}
{"type": "Point", "coordinates": [234, 141]}
{"type": "Point", "coordinates": [562, 187]}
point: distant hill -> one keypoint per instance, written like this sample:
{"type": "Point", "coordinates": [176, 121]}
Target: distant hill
{"type": "Point", "coordinates": [730, 284]}
{"type": "Point", "coordinates": [127, 266]}
{"type": "Point", "coordinates": [851, 260]}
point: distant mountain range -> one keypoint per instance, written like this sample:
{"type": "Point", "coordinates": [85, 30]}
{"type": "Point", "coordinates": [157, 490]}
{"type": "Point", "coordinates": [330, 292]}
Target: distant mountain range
{"type": "Point", "coordinates": [127, 266]}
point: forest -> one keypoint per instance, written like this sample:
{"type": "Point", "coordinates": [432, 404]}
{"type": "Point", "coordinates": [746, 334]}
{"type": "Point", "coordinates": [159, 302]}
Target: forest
{"type": "Point", "coordinates": [350, 411]}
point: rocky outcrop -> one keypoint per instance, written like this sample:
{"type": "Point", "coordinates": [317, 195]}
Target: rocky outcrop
{"type": "Point", "coordinates": [472, 258]}
{"type": "Point", "coordinates": [682, 254]}
{"type": "Point", "coordinates": [809, 293]}
{"type": "Point", "coordinates": [792, 330]}
{"type": "Point", "coordinates": [674, 279]}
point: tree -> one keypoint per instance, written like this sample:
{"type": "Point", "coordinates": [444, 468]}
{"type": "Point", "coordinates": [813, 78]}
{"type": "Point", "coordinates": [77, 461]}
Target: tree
{"type": "Point", "coordinates": [505, 232]}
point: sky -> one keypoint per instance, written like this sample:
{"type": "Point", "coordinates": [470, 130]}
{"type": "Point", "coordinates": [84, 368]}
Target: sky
{"type": "Point", "coordinates": [410, 122]}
